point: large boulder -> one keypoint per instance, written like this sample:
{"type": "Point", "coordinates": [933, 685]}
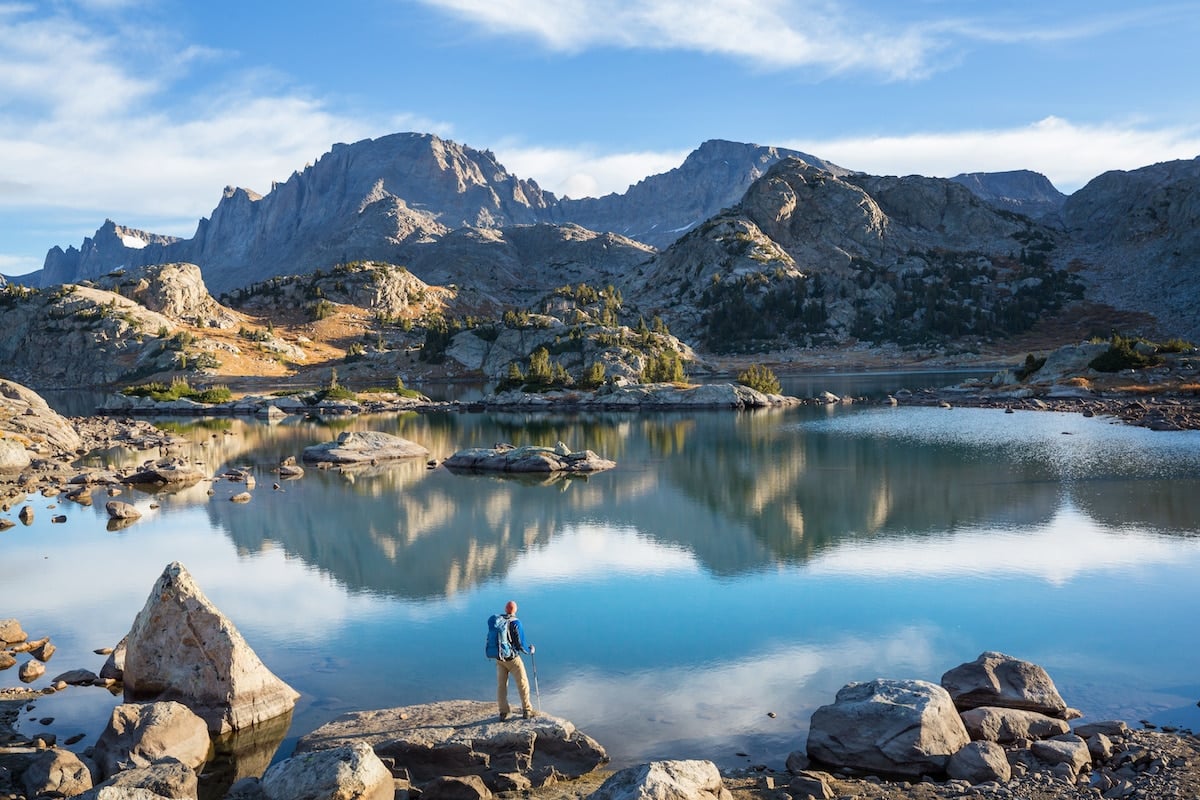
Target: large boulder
{"type": "Point", "coordinates": [355, 447]}
{"type": "Point", "coordinates": [665, 780]}
{"type": "Point", "coordinates": [168, 777]}
{"type": "Point", "coordinates": [980, 762]}
{"type": "Point", "coordinates": [1003, 725]}
{"type": "Point", "coordinates": [182, 648]}
{"type": "Point", "coordinates": [506, 458]}
{"type": "Point", "coordinates": [995, 679]}
{"type": "Point", "coordinates": [139, 734]}
{"type": "Point", "coordinates": [11, 631]}
{"type": "Point", "coordinates": [465, 737]}
{"type": "Point", "coordinates": [895, 728]}
{"type": "Point", "coordinates": [57, 772]}
{"type": "Point", "coordinates": [13, 455]}
{"type": "Point", "coordinates": [350, 771]}
{"type": "Point", "coordinates": [26, 418]}
{"type": "Point", "coordinates": [1069, 750]}
{"type": "Point", "coordinates": [119, 510]}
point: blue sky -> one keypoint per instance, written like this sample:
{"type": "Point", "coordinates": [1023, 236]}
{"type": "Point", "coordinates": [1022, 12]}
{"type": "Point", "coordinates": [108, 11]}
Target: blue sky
{"type": "Point", "coordinates": [143, 110]}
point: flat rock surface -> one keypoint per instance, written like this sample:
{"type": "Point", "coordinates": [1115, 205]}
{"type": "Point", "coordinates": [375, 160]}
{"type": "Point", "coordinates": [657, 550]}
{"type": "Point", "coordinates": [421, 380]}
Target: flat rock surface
{"type": "Point", "coordinates": [465, 737]}
{"type": "Point", "coordinates": [506, 458]}
{"type": "Point", "coordinates": [352, 447]}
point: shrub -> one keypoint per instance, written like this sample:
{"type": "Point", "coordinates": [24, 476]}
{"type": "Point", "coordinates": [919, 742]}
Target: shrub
{"type": "Point", "coordinates": [1121, 354]}
{"type": "Point", "coordinates": [760, 378]}
{"type": "Point", "coordinates": [1031, 366]}
{"type": "Point", "coordinates": [593, 376]}
{"type": "Point", "coordinates": [666, 367]}
{"type": "Point", "coordinates": [178, 389]}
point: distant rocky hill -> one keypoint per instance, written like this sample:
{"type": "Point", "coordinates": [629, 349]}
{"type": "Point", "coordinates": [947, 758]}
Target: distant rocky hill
{"type": "Point", "coordinates": [809, 258]}
{"type": "Point", "coordinates": [1020, 191]}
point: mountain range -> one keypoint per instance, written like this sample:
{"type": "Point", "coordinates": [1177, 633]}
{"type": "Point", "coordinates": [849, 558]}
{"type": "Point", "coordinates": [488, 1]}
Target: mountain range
{"type": "Point", "coordinates": [808, 251]}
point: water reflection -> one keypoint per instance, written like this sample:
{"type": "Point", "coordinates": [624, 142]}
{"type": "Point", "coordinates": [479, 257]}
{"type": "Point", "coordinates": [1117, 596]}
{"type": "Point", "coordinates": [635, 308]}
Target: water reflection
{"type": "Point", "coordinates": [730, 565]}
{"type": "Point", "coordinates": [739, 492]}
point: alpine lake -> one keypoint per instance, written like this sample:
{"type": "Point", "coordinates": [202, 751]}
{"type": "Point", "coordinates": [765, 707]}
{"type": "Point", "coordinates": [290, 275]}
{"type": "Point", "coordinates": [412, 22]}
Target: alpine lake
{"type": "Point", "coordinates": [700, 600]}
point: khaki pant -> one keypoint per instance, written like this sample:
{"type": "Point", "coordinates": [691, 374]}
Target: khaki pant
{"type": "Point", "coordinates": [517, 669]}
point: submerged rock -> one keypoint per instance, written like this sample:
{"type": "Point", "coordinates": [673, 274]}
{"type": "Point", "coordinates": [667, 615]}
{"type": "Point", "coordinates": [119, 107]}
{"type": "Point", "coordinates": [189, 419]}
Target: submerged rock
{"type": "Point", "coordinates": [182, 648]}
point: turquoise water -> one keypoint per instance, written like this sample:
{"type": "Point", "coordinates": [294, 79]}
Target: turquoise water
{"type": "Point", "coordinates": [730, 566]}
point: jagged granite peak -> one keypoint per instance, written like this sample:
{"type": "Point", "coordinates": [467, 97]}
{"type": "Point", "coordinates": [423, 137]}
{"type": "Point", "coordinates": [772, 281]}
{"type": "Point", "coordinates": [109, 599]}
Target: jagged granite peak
{"type": "Point", "coordinates": [379, 199]}
{"type": "Point", "coordinates": [1022, 191]}
{"type": "Point", "coordinates": [111, 247]}
{"type": "Point", "coordinates": [659, 209]}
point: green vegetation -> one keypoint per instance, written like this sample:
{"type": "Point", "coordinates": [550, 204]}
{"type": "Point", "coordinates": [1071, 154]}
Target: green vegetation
{"type": "Point", "coordinates": [666, 367]}
{"type": "Point", "coordinates": [179, 389]}
{"type": "Point", "coordinates": [760, 378]}
{"type": "Point", "coordinates": [593, 377]}
{"type": "Point", "coordinates": [1122, 354]}
{"type": "Point", "coordinates": [355, 352]}
{"type": "Point", "coordinates": [399, 389]}
{"type": "Point", "coordinates": [439, 331]}
{"type": "Point", "coordinates": [322, 309]}
{"type": "Point", "coordinates": [332, 391]}
{"type": "Point", "coordinates": [1031, 366]}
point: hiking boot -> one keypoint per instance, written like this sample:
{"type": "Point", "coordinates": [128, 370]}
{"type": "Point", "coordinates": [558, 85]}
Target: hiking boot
{"type": "Point", "coordinates": [503, 716]}
{"type": "Point", "coordinates": [529, 713]}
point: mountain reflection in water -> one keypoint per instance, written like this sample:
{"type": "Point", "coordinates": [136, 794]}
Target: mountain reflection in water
{"type": "Point", "coordinates": [730, 565]}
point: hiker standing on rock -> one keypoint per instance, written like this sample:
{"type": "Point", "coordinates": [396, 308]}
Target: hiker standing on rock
{"type": "Point", "coordinates": [505, 643]}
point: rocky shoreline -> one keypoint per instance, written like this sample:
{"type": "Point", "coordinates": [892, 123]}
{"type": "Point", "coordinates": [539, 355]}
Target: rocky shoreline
{"type": "Point", "coordinates": [992, 729]}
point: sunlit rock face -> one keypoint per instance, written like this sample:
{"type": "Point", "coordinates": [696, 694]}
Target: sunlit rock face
{"type": "Point", "coordinates": [182, 648]}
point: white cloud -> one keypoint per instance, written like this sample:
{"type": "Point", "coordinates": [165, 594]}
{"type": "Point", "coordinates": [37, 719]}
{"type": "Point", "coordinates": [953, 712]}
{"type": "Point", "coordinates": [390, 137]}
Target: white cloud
{"type": "Point", "coordinates": [589, 552]}
{"type": "Point", "coordinates": [773, 34]}
{"type": "Point", "coordinates": [1069, 154]}
{"type": "Point", "coordinates": [1066, 547]}
{"type": "Point", "coordinates": [583, 172]}
{"type": "Point", "coordinates": [86, 125]}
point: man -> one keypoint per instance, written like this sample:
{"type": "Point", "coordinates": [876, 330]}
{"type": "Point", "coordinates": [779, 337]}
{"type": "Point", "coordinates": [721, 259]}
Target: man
{"type": "Point", "coordinates": [513, 666]}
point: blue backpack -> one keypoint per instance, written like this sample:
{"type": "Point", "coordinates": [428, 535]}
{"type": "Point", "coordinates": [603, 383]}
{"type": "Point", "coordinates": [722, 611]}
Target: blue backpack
{"type": "Point", "coordinates": [499, 638]}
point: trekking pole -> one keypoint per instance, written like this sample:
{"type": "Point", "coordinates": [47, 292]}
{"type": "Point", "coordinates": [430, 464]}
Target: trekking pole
{"type": "Point", "coordinates": [536, 690]}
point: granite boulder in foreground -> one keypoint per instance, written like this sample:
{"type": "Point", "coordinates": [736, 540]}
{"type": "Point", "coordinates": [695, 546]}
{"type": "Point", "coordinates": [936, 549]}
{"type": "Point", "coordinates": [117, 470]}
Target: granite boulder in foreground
{"type": "Point", "coordinates": [892, 728]}
{"type": "Point", "coordinates": [182, 648]}
{"type": "Point", "coordinates": [995, 679]}
{"type": "Point", "coordinates": [507, 458]}
{"type": "Point", "coordinates": [665, 780]}
{"type": "Point", "coordinates": [358, 447]}
{"type": "Point", "coordinates": [465, 737]}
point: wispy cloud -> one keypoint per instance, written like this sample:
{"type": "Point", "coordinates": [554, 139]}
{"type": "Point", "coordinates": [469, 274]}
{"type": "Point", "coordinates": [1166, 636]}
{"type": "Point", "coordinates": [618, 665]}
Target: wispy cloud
{"type": "Point", "coordinates": [773, 34]}
{"type": "Point", "coordinates": [91, 125]}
